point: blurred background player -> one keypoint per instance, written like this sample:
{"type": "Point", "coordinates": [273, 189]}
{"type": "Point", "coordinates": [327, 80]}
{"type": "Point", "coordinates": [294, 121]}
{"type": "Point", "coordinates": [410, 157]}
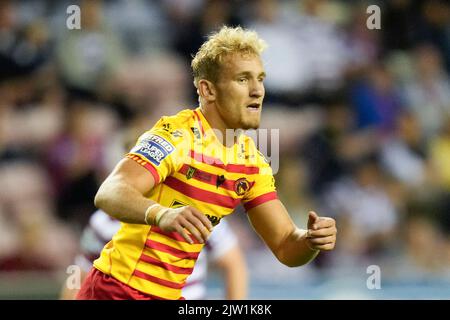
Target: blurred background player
{"type": "Point", "coordinates": [222, 249]}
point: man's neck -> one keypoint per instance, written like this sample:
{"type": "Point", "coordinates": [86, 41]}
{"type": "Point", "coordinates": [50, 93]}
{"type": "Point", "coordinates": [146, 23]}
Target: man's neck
{"type": "Point", "coordinates": [216, 122]}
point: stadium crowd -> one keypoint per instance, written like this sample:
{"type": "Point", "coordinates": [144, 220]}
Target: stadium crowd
{"type": "Point", "coordinates": [364, 119]}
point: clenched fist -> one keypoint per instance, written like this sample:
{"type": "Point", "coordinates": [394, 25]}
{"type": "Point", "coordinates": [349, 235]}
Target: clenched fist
{"type": "Point", "coordinates": [321, 234]}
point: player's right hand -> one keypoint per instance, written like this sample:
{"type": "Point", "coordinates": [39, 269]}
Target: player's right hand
{"type": "Point", "coordinates": [321, 234]}
{"type": "Point", "coordinates": [185, 220]}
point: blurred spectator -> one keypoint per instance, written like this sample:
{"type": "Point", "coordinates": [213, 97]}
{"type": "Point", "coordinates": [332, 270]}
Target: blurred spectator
{"type": "Point", "coordinates": [150, 86]}
{"type": "Point", "coordinates": [34, 239]}
{"type": "Point", "coordinates": [420, 250]}
{"type": "Point", "coordinates": [440, 156]}
{"type": "Point", "coordinates": [32, 115]}
{"type": "Point", "coordinates": [405, 155]}
{"type": "Point", "coordinates": [142, 25]}
{"type": "Point", "coordinates": [362, 44]}
{"type": "Point", "coordinates": [316, 57]}
{"type": "Point", "coordinates": [434, 27]}
{"type": "Point", "coordinates": [398, 32]}
{"type": "Point", "coordinates": [428, 93]}
{"type": "Point", "coordinates": [76, 160]}
{"type": "Point", "coordinates": [91, 54]}
{"type": "Point", "coordinates": [376, 100]}
{"type": "Point", "coordinates": [360, 202]}
{"type": "Point", "coordinates": [293, 188]}
{"type": "Point", "coordinates": [328, 151]}
{"type": "Point", "coordinates": [195, 27]}
{"type": "Point", "coordinates": [23, 49]}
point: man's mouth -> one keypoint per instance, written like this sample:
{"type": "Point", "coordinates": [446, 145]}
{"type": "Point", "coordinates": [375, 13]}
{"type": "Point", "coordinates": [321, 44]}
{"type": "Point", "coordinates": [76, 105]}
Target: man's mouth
{"type": "Point", "coordinates": [254, 106]}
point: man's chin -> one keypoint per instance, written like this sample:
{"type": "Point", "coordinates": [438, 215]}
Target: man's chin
{"type": "Point", "coordinates": [250, 126]}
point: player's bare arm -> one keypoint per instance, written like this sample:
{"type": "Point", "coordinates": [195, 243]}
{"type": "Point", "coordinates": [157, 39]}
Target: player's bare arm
{"type": "Point", "coordinates": [291, 245]}
{"type": "Point", "coordinates": [123, 196]}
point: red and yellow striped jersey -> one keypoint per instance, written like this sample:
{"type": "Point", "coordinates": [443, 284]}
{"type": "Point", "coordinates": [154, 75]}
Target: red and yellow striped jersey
{"type": "Point", "coordinates": [190, 166]}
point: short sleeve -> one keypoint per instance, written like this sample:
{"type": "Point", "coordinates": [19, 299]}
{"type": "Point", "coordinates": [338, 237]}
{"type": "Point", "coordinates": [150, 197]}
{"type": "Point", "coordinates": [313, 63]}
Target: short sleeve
{"type": "Point", "coordinates": [160, 150]}
{"type": "Point", "coordinates": [263, 188]}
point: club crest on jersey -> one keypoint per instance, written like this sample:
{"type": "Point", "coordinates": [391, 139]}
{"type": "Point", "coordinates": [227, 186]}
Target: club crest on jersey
{"type": "Point", "coordinates": [154, 148]}
{"type": "Point", "coordinates": [241, 186]}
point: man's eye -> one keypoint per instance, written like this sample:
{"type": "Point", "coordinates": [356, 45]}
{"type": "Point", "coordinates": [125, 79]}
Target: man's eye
{"type": "Point", "coordinates": [242, 80]}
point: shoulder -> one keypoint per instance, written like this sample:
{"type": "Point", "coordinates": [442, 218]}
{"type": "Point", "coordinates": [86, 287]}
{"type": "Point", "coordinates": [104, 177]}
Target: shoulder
{"type": "Point", "coordinates": [171, 128]}
{"type": "Point", "coordinates": [182, 119]}
{"type": "Point", "coordinates": [174, 128]}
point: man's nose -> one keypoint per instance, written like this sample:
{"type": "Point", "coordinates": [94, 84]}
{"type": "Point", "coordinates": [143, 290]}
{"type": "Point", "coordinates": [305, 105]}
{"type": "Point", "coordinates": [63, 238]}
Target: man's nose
{"type": "Point", "coordinates": [257, 89]}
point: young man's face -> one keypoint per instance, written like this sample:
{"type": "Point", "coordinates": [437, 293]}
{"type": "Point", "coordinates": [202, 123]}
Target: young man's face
{"type": "Point", "coordinates": [240, 91]}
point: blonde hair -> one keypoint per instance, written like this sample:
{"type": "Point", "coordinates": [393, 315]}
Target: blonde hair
{"type": "Point", "coordinates": [206, 63]}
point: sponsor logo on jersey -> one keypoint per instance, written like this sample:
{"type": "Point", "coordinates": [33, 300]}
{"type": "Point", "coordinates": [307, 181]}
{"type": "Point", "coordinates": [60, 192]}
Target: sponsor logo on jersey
{"type": "Point", "coordinates": [199, 175]}
{"type": "Point", "coordinates": [177, 204]}
{"type": "Point", "coordinates": [190, 173]}
{"type": "Point", "coordinates": [214, 220]}
{"type": "Point", "coordinates": [177, 133]}
{"type": "Point", "coordinates": [203, 176]}
{"type": "Point", "coordinates": [196, 132]}
{"type": "Point", "coordinates": [154, 148]}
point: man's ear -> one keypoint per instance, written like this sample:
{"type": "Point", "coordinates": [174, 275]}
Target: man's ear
{"type": "Point", "coordinates": [206, 90]}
